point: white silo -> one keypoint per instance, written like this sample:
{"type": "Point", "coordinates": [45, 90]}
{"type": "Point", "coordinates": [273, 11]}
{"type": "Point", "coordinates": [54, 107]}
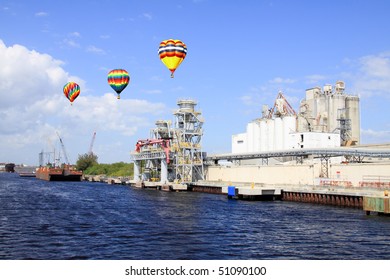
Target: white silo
{"type": "Point", "coordinates": [327, 89]}
{"type": "Point", "coordinates": [310, 107]}
{"type": "Point", "coordinates": [352, 113]}
{"type": "Point", "coordinates": [257, 136]}
{"type": "Point", "coordinates": [263, 135]}
{"type": "Point", "coordinates": [320, 112]}
{"type": "Point", "coordinates": [270, 134]}
{"type": "Point", "coordinates": [336, 103]}
{"type": "Point", "coordinates": [289, 126]}
{"type": "Point", "coordinates": [340, 87]}
{"type": "Point", "coordinates": [250, 130]}
{"type": "Point", "coordinates": [278, 134]}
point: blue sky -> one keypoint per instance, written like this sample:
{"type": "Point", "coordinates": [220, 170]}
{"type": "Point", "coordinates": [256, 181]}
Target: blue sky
{"type": "Point", "coordinates": [240, 55]}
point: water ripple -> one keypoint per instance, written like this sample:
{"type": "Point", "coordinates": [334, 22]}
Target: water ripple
{"type": "Point", "coordinates": [81, 220]}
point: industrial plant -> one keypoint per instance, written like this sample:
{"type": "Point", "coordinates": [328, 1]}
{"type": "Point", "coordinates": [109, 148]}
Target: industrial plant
{"type": "Point", "coordinates": [172, 153]}
{"type": "Point", "coordinates": [326, 118]}
{"type": "Point", "coordinates": [285, 152]}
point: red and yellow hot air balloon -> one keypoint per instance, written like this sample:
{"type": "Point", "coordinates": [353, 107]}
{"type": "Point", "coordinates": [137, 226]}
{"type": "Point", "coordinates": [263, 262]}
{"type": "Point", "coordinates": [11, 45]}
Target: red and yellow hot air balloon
{"type": "Point", "coordinates": [118, 79]}
{"type": "Point", "coordinates": [71, 91]}
{"type": "Point", "coordinates": [172, 53]}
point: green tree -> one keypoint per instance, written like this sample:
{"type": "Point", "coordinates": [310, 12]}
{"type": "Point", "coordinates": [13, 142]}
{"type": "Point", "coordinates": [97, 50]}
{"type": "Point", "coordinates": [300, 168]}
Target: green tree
{"type": "Point", "coordinates": [113, 169]}
{"type": "Point", "coordinates": [86, 160]}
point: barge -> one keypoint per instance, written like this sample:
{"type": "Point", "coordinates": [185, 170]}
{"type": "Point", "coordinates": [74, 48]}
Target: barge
{"type": "Point", "coordinates": [64, 173]}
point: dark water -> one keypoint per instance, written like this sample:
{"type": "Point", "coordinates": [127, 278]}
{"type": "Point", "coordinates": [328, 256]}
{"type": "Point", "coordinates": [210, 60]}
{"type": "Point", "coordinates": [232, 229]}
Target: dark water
{"type": "Point", "coordinates": [81, 220]}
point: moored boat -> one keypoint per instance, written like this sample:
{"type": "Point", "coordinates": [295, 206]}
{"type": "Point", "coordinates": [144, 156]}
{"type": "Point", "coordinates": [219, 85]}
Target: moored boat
{"type": "Point", "coordinates": [26, 171]}
{"type": "Point", "coordinates": [56, 172]}
{"type": "Point", "coordinates": [64, 173]}
{"type": "Point", "coordinates": [27, 174]}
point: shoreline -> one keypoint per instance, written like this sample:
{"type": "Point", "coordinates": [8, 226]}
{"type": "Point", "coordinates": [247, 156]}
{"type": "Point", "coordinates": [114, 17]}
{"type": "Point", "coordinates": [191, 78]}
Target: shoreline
{"type": "Point", "coordinates": [369, 199]}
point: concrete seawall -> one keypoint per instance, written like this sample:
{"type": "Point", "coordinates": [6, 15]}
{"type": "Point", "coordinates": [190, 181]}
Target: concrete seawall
{"type": "Point", "coordinates": [335, 195]}
{"type": "Point", "coordinates": [347, 186]}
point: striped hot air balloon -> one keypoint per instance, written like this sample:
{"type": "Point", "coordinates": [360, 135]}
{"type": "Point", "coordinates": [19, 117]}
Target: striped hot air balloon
{"type": "Point", "coordinates": [172, 53]}
{"type": "Point", "coordinates": [118, 79]}
{"type": "Point", "coordinates": [71, 91]}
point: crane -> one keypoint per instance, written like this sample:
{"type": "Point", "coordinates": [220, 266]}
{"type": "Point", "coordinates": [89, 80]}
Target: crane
{"type": "Point", "coordinates": [164, 144]}
{"type": "Point", "coordinates": [63, 149]}
{"type": "Point", "coordinates": [92, 141]}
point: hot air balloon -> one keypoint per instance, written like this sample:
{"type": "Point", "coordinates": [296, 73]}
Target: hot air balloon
{"type": "Point", "coordinates": [172, 53]}
{"type": "Point", "coordinates": [118, 79]}
{"type": "Point", "coordinates": [71, 91]}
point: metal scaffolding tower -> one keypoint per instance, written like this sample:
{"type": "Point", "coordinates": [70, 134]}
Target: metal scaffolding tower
{"type": "Point", "coordinates": [172, 154]}
{"type": "Point", "coordinates": [344, 127]}
{"type": "Point", "coordinates": [324, 173]}
{"type": "Point", "coordinates": [187, 142]}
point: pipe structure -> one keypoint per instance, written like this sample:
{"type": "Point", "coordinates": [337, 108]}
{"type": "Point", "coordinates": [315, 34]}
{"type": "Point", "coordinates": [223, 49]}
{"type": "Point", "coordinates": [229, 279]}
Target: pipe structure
{"type": "Point", "coordinates": [164, 171]}
{"type": "Point", "coordinates": [137, 171]}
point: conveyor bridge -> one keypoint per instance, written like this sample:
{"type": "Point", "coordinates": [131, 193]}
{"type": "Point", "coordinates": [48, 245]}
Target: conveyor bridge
{"type": "Point", "coordinates": [320, 152]}
{"type": "Point", "coordinates": [350, 154]}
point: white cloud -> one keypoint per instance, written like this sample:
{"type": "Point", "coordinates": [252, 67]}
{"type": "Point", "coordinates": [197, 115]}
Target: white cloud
{"type": "Point", "coordinates": [156, 79]}
{"type": "Point", "coordinates": [33, 107]}
{"type": "Point", "coordinates": [41, 14]}
{"type": "Point", "coordinates": [376, 65]}
{"type": "Point", "coordinates": [152, 91]}
{"type": "Point", "coordinates": [247, 99]}
{"type": "Point", "coordinates": [96, 50]}
{"type": "Point", "coordinates": [75, 34]}
{"type": "Point", "coordinates": [265, 94]}
{"type": "Point", "coordinates": [315, 79]}
{"type": "Point", "coordinates": [26, 76]}
{"type": "Point", "coordinates": [71, 40]}
{"type": "Point", "coordinates": [279, 80]}
{"type": "Point", "coordinates": [111, 114]}
{"type": "Point", "coordinates": [374, 136]}
{"type": "Point", "coordinates": [147, 16]}
{"type": "Point", "coordinates": [373, 76]}
{"type": "Point", "coordinates": [71, 43]}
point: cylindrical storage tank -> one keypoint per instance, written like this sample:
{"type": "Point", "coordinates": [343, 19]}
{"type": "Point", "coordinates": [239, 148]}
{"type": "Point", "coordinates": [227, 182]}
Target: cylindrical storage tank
{"type": "Point", "coordinates": [250, 130]}
{"type": "Point", "coordinates": [302, 124]}
{"type": "Point", "coordinates": [321, 110]}
{"type": "Point", "coordinates": [270, 134]}
{"type": "Point", "coordinates": [289, 126]}
{"type": "Point", "coordinates": [353, 113]}
{"type": "Point", "coordinates": [162, 129]}
{"type": "Point", "coordinates": [340, 87]}
{"type": "Point", "coordinates": [278, 134]}
{"type": "Point", "coordinates": [263, 135]}
{"type": "Point", "coordinates": [164, 171]}
{"type": "Point", "coordinates": [256, 136]}
{"type": "Point", "coordinates": [186, 105]}
{"type": "Point", "coordinates": [335, 103]}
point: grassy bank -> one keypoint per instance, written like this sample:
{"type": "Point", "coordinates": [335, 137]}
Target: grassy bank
{"type": "Point", "coordinates": [114, 169]}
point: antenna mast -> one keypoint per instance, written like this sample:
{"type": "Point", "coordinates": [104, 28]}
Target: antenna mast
{"type": "Point", "coordinates": [92, 141]}
{"type": "Point", "coordinates": [63, 149]}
